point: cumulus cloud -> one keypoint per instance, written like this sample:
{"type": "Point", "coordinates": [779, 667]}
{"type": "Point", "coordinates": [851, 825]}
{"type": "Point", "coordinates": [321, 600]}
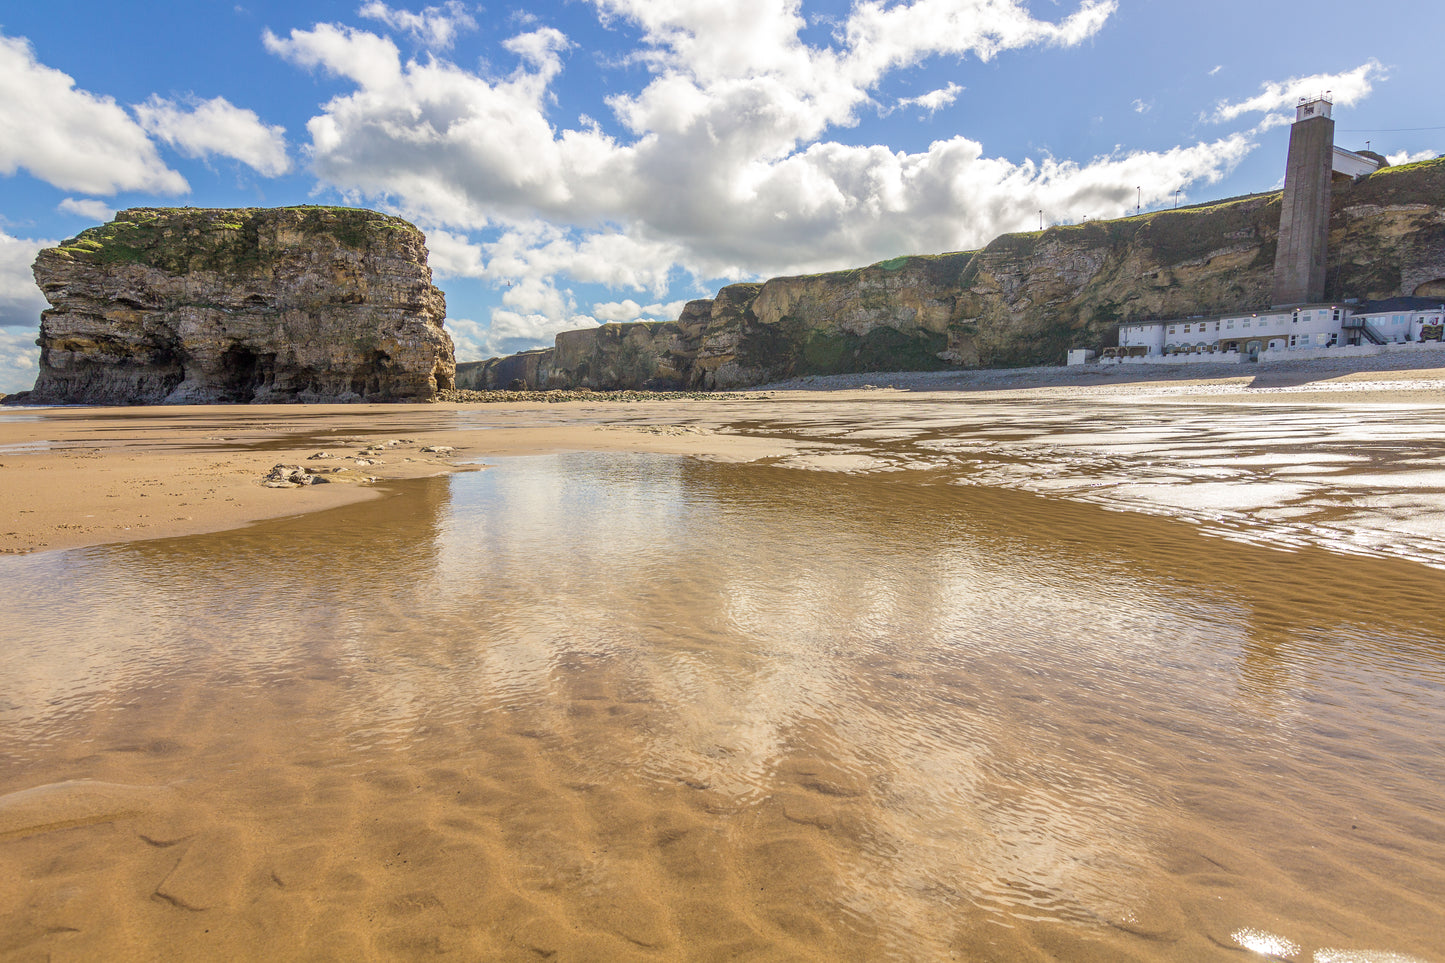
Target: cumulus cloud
{"type": "Point", "coordinates": [1141, 106]}
{"type": "Point", "coordinates": [88, 208]}
{"type": "Point", "coordinates": [434, 27]}
{"type": "Point", "coordinates": [511, 331]}
{"type": "Point", "coordinates": [724, 167]}
{"type": "Point", "coordinates": [1409, 157]}
{"type": "Point", "coordinates": [538, 249]}
{"type": "Point", "coordinates": [630, 310]}
{"type": "Point", "coordinates": [20, 300]}
{"type": "Point", "coordinates": [217, 128]}
{"type": "Point", "coordinates": [470, 339]}
{"type": "Point", "coordinates": [71, 138]}
{"type": "Point", "coordinates": [714, 179]}
{"type": "Point", "coordinates": [1345, 89]}
{"type": "Point", "coordinates": [451, 255]}
{"type": "Point", "coordinates": [614, 259]}
{"type": "Point", "coordinates": [341, 51]}
{"type": "Point", "coordinates": [453, 147]}
{"type": "Point", "coordinates": [934, 100]}
{"type": "Point", "coordinates": [19, 359]}
{"type": "Point", "coordinates": [20, 305]}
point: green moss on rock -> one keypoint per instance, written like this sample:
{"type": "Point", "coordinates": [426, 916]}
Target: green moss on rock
{"type": "Point", "coordinates": [225, 240]}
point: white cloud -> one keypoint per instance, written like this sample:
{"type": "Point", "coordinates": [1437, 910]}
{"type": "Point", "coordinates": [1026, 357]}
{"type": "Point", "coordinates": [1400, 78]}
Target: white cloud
{"type": "Point", "coordinates": [1345, 89]}
{"type": "Point", "coordinates": [71, 138]}
{"type": "Point", "coordinates": [19, 359]}
{"type": "Point", "coordinates": [20, 300]}
{"type": "Point", "coordinates": [470, 339]}
{"type": "Point", "coordinates": [452, 147]}
{"type": "Point", "coordinates": [1215, 69]}
{"type": "Point", "coordinates": [90, 208]}
{"type": "Point", "coordinates": [511, 331]}
{"type": "Point", "coordinates": [934, 100]}
{"type": "Point", "coordinates": [20, 305]}
{"type": "Point", "coordinates": [725, 170]}
{"type": "Point", "coordinates": [537, 249]}
{"type": "Point", "coordinates": [357, 55]}
{"type": "Point", "coordinates": [452, 255]}
{"type": "Point", "coordinates": [630, 310]}
{"type": "Point", "coordinates": [1407, 157]}
{"type": "Point", "coordinates": [613, 259]}
{"type": "Point", "coordinates": [434, 27]}
{"type": "Point", "coordinates": [883, 37]}
{"type": "Point", "coordinates": [1141, 107]}
{"type": "Point", "coordinates": [714, 180]}
{"type": "Point", "coordinates": [217, 127]}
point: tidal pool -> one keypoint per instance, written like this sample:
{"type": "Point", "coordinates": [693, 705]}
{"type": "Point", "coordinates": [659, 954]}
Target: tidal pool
{"type": "Point", "coordinates": [608, 706]}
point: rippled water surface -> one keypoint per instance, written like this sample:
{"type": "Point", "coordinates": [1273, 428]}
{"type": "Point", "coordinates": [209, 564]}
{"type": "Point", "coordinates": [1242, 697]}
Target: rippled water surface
{"type": "Point", "coordinates": [602, 706]}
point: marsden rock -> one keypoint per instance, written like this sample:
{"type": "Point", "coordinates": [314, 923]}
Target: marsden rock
{"type": "Point", "coordinates": [197, 306]}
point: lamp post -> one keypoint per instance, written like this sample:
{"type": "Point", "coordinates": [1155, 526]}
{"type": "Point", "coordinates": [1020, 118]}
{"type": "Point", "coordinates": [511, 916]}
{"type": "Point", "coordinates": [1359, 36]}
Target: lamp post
{"type": "Point", "coordinates": [1176, 198]}
{"type": "Point", "coordinates": [1041, 220]}
{"type": "Point", "coordinates": [1138, 199]}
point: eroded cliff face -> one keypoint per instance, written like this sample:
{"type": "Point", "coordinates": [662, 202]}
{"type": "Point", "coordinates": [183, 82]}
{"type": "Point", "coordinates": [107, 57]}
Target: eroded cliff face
{"type": "Point", "coordinates": [1024, 299]}
{"type": "Point", "coordinates": [197, 306]}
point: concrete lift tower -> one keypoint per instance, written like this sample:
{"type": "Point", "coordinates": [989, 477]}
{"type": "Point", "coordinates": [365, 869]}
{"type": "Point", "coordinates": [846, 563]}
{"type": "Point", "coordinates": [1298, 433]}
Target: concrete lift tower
{"type": "Point", "coordinates": [1304, 220]}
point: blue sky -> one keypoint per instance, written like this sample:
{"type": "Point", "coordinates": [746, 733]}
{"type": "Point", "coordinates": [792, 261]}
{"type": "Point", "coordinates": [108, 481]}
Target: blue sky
{"type": "Point", "coordinates": [581, 161]}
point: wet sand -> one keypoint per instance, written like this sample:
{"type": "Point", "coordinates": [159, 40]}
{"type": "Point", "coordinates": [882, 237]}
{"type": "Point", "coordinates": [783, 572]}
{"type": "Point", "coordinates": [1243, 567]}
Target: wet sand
{"type": "Point", "coordinates": [1057, 670]}
{"type": "Point", "coordinates": [601, 706]}
{"type": "Point", "coordinates": [89, 476]}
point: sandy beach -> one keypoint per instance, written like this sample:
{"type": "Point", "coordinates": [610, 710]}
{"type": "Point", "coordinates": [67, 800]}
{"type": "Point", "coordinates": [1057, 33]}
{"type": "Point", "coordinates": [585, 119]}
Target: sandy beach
{"type": "Point", "coordinates": [88, 476]}
{"type": "Point", "coordinates": [1032, 664]}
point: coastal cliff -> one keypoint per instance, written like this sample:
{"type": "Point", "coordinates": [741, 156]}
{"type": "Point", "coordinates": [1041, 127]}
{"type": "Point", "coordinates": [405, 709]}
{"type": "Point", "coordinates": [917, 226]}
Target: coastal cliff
{"type": "Point", "coordinates": [200, 306]}
{"type": "Point", "coordinates": [1024, 299]}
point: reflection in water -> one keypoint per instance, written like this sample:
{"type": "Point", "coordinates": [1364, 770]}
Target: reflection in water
{"type": "Point", "coordinates": [647, 707]}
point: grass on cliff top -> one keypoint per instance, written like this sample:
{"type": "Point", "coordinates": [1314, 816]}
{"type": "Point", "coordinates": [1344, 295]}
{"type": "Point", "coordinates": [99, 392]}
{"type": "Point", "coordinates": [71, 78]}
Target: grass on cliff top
{"type": "Point", "coordinates": [891, 264]}
{"type": "Point", "coordinates": [1414, 167]}
{"type": "Point", "coordinates": [1172, 234]}
{"type": "Point", "coordinates": [1422, 182]}
{"type": "Point", "coordinates": [181, 239]}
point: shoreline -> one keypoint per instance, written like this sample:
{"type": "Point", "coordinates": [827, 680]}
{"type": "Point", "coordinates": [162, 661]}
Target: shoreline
{"type": "Point", "coordinates": [80, 476]}
{"type": "Point", "coordinates": [1327, 374]}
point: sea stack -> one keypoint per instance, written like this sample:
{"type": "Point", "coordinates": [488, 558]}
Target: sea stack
{"type": "Point", "coordinates": [231, 306]}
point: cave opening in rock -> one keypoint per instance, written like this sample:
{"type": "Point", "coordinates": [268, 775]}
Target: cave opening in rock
{"type": "Point", "coordinates": [244, 373]}
{"type": "Point", "coordinates": [375, 376]}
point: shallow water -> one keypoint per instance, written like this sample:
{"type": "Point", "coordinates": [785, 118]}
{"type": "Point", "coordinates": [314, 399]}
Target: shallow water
{"type": "Point", "coordinates": [601, 706]}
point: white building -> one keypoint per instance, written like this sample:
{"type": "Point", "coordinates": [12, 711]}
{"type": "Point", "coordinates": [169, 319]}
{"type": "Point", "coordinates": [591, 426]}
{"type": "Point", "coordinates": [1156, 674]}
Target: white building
{"type": "Point", "coordinates": [1399, 320]}
{"type": "Point", "coordinates": [1304, 327]}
